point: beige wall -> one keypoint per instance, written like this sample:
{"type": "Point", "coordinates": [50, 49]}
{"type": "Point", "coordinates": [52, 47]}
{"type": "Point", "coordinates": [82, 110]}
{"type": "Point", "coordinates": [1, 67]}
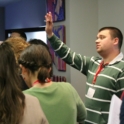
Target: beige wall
{"type": "Point", "coordinates": [111, 13]}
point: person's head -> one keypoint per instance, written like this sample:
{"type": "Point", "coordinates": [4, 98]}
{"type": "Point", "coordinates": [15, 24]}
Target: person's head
{"type": "Point", "coordinates": [36, 62]}
{"type": "Point", "coordinates": [17, 33]}
{"type": "Point", "coordinates": [11, 98]}
{"type": "Point", "coordinates": [109, 39]}
{"type": "Point", "coordinates": [18, 45]}
{"type": "Point", "coordinates": [38, 42]}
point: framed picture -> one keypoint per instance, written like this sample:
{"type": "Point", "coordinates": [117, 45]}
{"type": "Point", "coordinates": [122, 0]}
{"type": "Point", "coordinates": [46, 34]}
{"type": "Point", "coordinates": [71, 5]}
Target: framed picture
{"type": "Point", "coordinates": [59, 31]}
{"type": "Point", "coordinates": [57, 8]}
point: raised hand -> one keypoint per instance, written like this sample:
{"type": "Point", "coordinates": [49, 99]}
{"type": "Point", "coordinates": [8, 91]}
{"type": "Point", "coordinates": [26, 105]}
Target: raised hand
{"type": "Point", "coordinates": [49, 24]}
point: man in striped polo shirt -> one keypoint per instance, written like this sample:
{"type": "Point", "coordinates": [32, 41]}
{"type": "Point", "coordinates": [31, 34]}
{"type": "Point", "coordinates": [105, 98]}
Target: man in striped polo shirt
{"type": "Point", "coordinates": [105, 75]}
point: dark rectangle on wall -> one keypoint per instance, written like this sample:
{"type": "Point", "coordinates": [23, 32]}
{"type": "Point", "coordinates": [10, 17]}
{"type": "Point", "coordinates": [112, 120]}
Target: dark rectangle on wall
{"type": "Point", "coordinates": [25, 14]}
{"type": "Point", "coordinates": [31, 33]}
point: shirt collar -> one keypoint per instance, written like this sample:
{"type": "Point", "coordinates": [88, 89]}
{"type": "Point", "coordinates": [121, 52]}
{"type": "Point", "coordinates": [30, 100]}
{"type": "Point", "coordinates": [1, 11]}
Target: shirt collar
{"type": "Point", "coordinates": [119, 57]}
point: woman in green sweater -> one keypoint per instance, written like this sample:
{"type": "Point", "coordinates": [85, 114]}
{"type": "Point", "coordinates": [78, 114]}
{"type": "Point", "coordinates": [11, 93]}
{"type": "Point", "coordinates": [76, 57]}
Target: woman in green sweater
{"type": "Point", "coordinates": [60, 101]}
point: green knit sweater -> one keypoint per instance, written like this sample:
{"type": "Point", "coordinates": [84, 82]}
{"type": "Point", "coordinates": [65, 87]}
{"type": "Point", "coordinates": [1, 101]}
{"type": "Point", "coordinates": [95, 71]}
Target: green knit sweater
{"type": "Point", "coordinates": [109, 81]}
{"type": "Point", "coordinates": [60, 103]}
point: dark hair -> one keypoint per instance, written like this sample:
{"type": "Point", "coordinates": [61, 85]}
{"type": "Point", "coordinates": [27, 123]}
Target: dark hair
{"type": "Point", "coordinates": [11, 98]}
{"type": "Point", "coordinates": [38, 42]}
{"type": "Point", "coordinates": [22, 34]}
{"type": "Point", "coordinates": [37, 57]}
{"type": "Point", "coordinates": [115, 32]}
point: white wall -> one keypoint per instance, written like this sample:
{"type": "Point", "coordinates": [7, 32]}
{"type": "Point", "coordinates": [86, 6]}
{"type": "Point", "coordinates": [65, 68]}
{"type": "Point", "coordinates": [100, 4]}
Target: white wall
{"type": "Point", "coordinates": [82, 25]}
{"type": "Point", "coordinates": [111, 13]}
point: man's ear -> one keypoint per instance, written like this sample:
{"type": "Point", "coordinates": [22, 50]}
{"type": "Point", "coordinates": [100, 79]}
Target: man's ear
{"type": "Point", "coordinates": [116, 40]}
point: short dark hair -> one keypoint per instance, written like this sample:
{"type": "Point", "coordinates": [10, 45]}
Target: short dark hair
{"type": "Point", "coordinates": [115, 32]}
{"type": "Point", "coordinates": [22, 34]}
{"type": "Point", "coordinates": [38, 42]}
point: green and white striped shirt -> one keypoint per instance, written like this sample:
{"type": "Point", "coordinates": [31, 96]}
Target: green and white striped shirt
{"type": "Point", "coordinates": [109, 81]}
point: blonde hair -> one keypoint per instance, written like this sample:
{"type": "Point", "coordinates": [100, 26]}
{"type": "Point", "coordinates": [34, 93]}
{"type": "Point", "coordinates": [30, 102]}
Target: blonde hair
{"type": "Point", "coordinates": [18, 45]}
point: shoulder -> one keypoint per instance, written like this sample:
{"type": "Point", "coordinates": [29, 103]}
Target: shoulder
{"type": "Point", "coordinates": [64, 84]}
{"type": "Point", "coordinates": [31, 103]}
{"type": "Point", "coordinates": [29, 91]}
{"type": "Point", "coordinates": [29, 98]}
{"type": "Point", "coordinates": [119, 65]}
{"type": "Point", "coordinates": [33, 112]}
{"type": "Point", "coordinates": [67, 86]}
